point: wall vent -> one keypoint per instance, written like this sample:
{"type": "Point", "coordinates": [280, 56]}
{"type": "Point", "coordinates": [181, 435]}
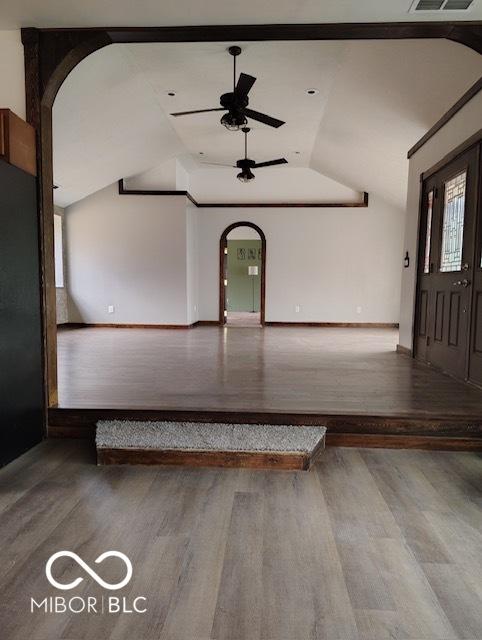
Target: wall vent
{"type": "Point", "coordinates": [429, 6]}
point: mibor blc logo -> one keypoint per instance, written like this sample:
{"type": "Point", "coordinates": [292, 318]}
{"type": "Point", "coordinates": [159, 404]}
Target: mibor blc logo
{"type": "Point", "coordinates": [87, 569]}
{"type": "Point", "coordinates": [89, 604]}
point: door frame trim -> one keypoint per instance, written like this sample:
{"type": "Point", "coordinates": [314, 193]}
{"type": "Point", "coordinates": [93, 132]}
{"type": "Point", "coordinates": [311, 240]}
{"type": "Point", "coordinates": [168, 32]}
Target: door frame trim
{"type": "Point", "coordinates": [473, 141]}
{"type": "Point", "coordinates": [223, 244]}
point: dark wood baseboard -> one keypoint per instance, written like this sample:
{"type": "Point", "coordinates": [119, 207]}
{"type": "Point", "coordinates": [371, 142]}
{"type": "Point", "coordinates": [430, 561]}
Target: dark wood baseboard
{"type": "Point", "coordinates": [404, 350]}
{"type": "Point", "coordinates": [216, 323]}
{"type": "Point", "coordinates": [354, 325]}
{"type": "Point", "coordinates": [233, 459]}
{"type": "Point", "coordinates": [207, 323]}
{"type": "Point", "coordinates": [409, 431]}
{"type": "Point", "coordinates": [121, 325]}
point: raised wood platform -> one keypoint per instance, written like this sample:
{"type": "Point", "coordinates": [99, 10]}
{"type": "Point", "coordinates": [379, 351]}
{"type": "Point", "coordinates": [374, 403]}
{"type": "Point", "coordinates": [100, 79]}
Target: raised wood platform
{"type": "Point", "coordinates": [350, 380]}
{"type": "Point", "coordinates": [457, 433]}
{"type": "Point", "coordinates": [201, 444]}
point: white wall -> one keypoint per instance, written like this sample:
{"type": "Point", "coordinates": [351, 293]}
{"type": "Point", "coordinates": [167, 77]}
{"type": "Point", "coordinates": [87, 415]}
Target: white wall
{"type": "Point", "coordinates": [464, 124]}
{"type": "Point", "coordinates": [12, 85]}
{"type": "Point", "coordinates": [156, 259]}
{"type": "Point", "coordinates": [129, 252]}
{"type": "Point", "coordinates": [328, 261]}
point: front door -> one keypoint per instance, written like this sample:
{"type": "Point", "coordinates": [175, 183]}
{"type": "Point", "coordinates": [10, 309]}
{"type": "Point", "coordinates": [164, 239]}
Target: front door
{"type": "Point", "coordinates": [447, 265]}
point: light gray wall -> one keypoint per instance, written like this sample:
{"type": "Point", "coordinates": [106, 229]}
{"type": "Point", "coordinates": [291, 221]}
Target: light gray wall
{"type": "Point", "coordinates": [129, 252]}
{"type": "Point", "coordinates": [156, 259]}
{"type": "Point", "coordinates": [12, 86]}
{"type": "Point", "coordinates": [463, 125]}
{"type": "Point", "coordinates": [338, 265]}
{"type": "Point", "coordinates": [192, 259]}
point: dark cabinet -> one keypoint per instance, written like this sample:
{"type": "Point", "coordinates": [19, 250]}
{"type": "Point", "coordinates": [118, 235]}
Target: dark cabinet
{"type": "Point", "coordinates": [21, 386]}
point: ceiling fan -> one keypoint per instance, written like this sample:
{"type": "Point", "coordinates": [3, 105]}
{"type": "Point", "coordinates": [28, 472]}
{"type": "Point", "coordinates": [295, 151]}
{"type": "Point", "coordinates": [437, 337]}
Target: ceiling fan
{"type": "Point", "coordinates": [236, 102]}
{"type": "Point", "coordinates": [246, 164]}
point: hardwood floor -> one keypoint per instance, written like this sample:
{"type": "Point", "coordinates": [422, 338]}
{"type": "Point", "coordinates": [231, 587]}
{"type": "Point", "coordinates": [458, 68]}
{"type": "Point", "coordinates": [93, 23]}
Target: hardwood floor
{"type": "Point", "coordinates": [307, 370]}
{"type": "Point", "coordinates": [243, 319]}
{"type": "Point", "coordinates": [369, 545]}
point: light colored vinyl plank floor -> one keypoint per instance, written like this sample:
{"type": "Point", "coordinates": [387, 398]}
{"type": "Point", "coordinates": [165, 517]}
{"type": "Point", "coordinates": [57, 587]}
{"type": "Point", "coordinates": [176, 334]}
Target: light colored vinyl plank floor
{"type": "Point", "coordinates": [369, 545]}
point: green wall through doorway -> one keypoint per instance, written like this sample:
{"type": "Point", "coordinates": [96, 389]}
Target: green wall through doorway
{"type": "Point", "coordinates": [241, 255]}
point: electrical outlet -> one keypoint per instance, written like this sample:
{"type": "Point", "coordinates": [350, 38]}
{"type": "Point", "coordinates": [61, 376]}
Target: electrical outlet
{"type": "Point", "coordinates": [297, 308]}
{"type": "Point", "coordinates": [110, 308]}
{"type": "Point", "coordinates": [195, 307]}
{"type": "Point", "coordinates": [358, 309]}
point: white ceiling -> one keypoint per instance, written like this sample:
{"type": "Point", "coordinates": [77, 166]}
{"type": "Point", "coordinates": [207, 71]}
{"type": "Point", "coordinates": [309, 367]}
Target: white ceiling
{"type": "Point", "coordinates": [386, 97]}
{"type": "Point", "coordinates": [200, 73]}
{"type": "Point", "coordinates": [92, 13]}
{"type": "Point", "coordinates": [376, 98]}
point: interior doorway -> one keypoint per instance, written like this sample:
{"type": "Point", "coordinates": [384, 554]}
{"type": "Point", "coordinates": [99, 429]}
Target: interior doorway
{"type": "Point", "coordinates": [242, 275]}
{"type": "Point", "coordinates": [448, 330]}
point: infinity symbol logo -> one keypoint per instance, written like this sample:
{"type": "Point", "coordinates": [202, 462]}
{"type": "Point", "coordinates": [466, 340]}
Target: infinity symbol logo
{"type": "Point", "coordinates": [87, 569]}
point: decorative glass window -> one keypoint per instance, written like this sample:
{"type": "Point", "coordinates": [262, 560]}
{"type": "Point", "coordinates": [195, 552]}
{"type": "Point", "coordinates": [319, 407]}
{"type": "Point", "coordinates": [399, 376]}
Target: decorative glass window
{"type": "Point", "coordinates": [428, 233]}
{"type": "Point", "coordinates": [453, 223]}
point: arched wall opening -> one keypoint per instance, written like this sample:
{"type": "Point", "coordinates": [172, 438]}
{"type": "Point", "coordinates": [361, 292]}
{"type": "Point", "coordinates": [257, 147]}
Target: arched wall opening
{"type": "Point", "coordinates": [241, 269]}
{"type": "Point", "coordinates": [50, 55]}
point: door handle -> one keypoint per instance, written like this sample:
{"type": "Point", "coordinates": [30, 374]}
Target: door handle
{"type": "Point", "coordinates": [462, 283]}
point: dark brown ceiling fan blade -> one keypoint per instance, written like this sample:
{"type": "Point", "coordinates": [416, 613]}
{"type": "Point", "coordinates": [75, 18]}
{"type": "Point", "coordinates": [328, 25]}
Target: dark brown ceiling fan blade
{"type": "Point", "coordinates": [245, 82]}
{"type": "Point", "coordinates": [187, 113]}
{"type": "Point", "coordinates": [261, 117]}
{"type": "Point", "coordinates": [270, 163]}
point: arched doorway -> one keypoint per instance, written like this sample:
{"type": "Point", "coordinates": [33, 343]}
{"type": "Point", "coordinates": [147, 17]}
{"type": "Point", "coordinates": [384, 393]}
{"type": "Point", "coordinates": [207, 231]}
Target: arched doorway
{"type": "Point", "coordinates": [258, 263]}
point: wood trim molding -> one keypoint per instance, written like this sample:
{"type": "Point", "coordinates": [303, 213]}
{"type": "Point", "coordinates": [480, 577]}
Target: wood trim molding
{"type": "Point", "coordinates": [17, 142]}
{"type": "Point", "coordinates": [468, 95]}
{"type": "Point", "coordinates": [51, 54]}
{"type": "Point", "coordinates": [239, 205]}
{"type": "Point", "coordinates": [216, 323]}
{"type": "Point", "coordinates": [474, 139]}
{"type": "Point", "coordinates": [206, 323]}
{"type": "Point", "coordinates": [353, 325]}
{"type": "Point", "coordinates": [121, 325]}
{"type": "Point", "coordinates": [223, 244]}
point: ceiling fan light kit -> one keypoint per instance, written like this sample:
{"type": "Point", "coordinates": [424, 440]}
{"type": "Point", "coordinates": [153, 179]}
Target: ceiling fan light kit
{"type": "Point", "coordinates": [233, 121]}
{"type": "Point", "coordinates": [236, 102]}
{"type": "Point", "coordinates": [246, 175]}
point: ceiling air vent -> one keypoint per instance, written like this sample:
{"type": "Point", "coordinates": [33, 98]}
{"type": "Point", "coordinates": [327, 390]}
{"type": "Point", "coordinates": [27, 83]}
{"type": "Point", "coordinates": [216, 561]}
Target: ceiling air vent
{"type": "Point", "coordinates": [428, 6]}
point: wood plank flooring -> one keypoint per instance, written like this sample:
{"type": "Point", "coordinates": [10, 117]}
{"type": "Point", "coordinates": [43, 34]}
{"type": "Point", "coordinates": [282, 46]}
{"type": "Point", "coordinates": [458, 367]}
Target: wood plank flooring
{"type": "Point", "coordinates": [301, 370]}
{"type": "Point", "coordinates": [369, 545]}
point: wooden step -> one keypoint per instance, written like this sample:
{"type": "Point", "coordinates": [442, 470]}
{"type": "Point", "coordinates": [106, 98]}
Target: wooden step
{"type": "Point", "coordinates": [202, 444]}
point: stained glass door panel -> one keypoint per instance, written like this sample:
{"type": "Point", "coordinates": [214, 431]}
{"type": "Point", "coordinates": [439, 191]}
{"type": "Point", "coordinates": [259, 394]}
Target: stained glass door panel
{"type": "Point", "coordinates": [453, 223]}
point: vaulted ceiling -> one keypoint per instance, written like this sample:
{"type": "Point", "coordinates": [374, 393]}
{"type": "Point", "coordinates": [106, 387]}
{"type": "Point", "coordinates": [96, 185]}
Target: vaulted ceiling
{"type": "Point", "coordinates": [374, 100]}
{"type": "Point", "coordinates": [92, 13]}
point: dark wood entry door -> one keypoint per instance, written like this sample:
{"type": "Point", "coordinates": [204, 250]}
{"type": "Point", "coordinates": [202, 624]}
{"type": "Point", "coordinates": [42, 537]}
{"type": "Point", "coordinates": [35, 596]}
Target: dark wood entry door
{"type": "Point", "coordinates": [475, 354]}
{"type": "Point", "coordinates": [448, 266]}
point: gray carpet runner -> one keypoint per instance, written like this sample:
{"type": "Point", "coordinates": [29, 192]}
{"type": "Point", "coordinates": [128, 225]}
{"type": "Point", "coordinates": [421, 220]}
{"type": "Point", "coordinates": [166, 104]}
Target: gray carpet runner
{"type": "Point", "coordinates": [200, 436]}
